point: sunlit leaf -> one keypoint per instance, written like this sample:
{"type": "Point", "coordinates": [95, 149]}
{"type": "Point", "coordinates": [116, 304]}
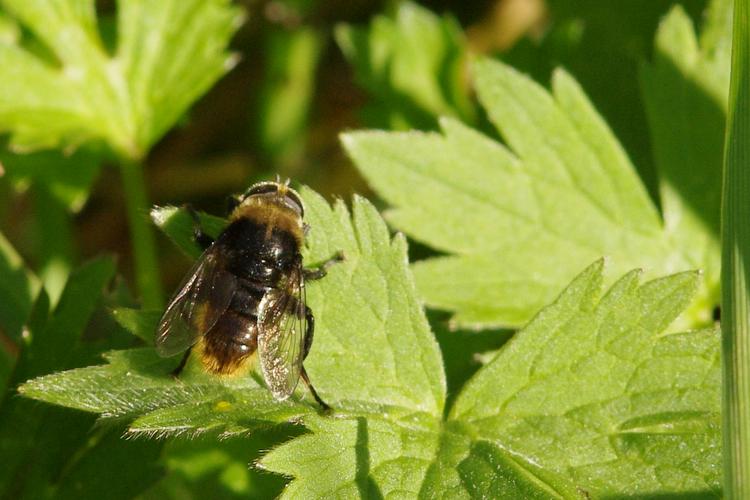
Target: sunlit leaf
{"type": "Point", "coordinates": [167, 54]}
{"type": "Point", "coordinates": [519, 221]}
{"type": "Point", "coordinates": [590, 399]}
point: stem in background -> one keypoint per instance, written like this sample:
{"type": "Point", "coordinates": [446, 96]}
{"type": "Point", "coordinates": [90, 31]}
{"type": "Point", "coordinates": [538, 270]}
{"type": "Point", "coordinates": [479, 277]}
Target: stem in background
{"type": "Point", "coordinates": [735, 272]}
{"type": "Point", "coordinates": [141, 235]}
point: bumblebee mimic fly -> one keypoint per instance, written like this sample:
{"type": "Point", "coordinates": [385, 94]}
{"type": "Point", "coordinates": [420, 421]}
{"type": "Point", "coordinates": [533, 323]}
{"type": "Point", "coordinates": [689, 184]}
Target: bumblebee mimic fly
{"type": "Point", "coordinates": [246, 293]}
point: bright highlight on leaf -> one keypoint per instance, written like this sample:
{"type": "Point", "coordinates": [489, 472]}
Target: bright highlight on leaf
{"type": "Point", "coordinates": [518, 221]}
{"type": "Point", "coordinates": [592, 396]}
{"type": "Point", "coordinates": [62, 87]}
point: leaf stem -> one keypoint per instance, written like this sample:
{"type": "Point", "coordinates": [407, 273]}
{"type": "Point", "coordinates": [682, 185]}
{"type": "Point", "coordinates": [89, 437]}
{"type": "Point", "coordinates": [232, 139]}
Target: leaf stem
{"type": "Point", "coordinates": [736, 265]}
{"type": "Point", "coordinates": [141, 234]}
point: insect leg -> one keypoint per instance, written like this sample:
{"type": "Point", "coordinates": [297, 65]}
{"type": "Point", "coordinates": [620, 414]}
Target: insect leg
{"type": "Point", "coordinates": [314, 393]}
{"type": "Point", "coordinates": [203, 240]}
{"type": "Point", "coordinates": [320, 271]}
{"type": "Point", "coordinates": [176, 372]}
{"type": "Point", "coordinates": [310, 319]}
{"type": "Point", "coordinates": [308, 343]}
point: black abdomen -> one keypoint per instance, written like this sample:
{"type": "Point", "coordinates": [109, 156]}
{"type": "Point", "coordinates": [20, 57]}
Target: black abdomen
{"type": "Point", "coordinates": [234, 337]}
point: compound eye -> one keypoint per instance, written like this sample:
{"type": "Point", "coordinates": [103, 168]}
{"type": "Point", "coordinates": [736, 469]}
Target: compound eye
{"type": "Point", "coordinates": [262, 188]}
{"type": "Point", "coordinates": [294, 200]}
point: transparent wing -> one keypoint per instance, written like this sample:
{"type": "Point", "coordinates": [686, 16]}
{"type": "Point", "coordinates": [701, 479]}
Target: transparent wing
{"type": "Point", "coordinates": [281, 336]}
{"type": "Point", "coordinates": [199, 302]}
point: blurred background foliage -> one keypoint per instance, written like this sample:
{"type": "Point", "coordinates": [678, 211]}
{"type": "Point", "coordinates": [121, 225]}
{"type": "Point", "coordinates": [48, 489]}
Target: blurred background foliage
{"type": "Point", "coordinates": [308, 70]}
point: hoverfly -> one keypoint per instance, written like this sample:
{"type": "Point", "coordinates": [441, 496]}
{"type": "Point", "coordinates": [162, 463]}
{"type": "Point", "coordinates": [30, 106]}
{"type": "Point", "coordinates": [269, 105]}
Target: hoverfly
{"type": "Point", "coordinates": [246, 293]}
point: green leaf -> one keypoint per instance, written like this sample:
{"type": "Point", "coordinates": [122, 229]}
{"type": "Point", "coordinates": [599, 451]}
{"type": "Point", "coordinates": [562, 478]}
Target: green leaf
{"type": "Point", "coordinates": [591, 398]}
{"type": "Point", "coordinates": [167, 54]}
{"type": "Point", "coordinates": [517, 222]}
{"type": "Point", "coordinates": [178, 226]}
{"type": "Point", "coordinates": [356, 458]}
{"type": "Point", "coordinates": [68, 178]}
{"type": "Point", "coordinates": [364, 305]}
{"type": "Point", "coordinates": [140, 323]}
{"type": "Point", "coordinates": [685, 91]}
{"type": "Point", "coordinates": [49, 348]}
{"type": "Point", "coordinates": [207, 468]}
{"type": "Point", "coordinates": [137, 383]}
{"type": "Point", "coordinates": [466, 351]}
{"type": "Point", "coordinates": [602, 44]}
{"type": "Point", "coordinates": [412, 64]}
{"type": "Point", "coordinates": [136, 462]}
{"type": "Point", "coordinates": [30, 434]}
{"type": "Point", "coordinates": [18, 287]}
{"type": "Point", "coordinates": [288, 90]}
{"type": "Point", "coordinates": [9, 30]}
{"type": "Point", "coordinates": [716, 42]}
{"type": "Point", "coordinates": [53, 227]}
{"type": "Point", "coordinates": [378, 458]}
{"type": "Point", "coordinates": [490, 472]}
{"type": "Point", "coordinates": [593, 390]}
{"type": "Point", "coordinates": [368, 305]}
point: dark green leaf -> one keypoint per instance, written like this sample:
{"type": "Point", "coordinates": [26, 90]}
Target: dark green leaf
{"type": "Point", "coordinates": [140, 323]}
{"type": "Point", "coordinates": [34, 440]}
{"type": "Point", "coordinates": [68, 178]}
{"type": "Point", "coordinates": [90, 477]}
{"type": "Point", "coordinates": [685, 90]}
{"type": "Point", "coordinates": [49, 348]}
{"type": "Point", "coordinates": [288, 91]}
{"type": "Point", "coordinates": [207, 468]}
{"type": "Point", "coordinates": [18, 287]}
{"type": "Point", "coordinates": [179, 226]}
